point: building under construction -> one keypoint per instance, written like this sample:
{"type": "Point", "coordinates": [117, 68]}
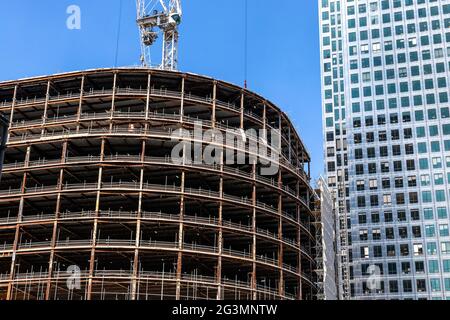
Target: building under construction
{"type": "Point", "coordinates": [3, 136]}
{"type": "Point", "coordinates": [93, 207]}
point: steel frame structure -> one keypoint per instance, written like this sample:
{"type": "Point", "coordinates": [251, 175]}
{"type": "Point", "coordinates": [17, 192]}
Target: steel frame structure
{"type": "Point", "coordinates": [88, 182]}
{"type": "Point", "coordinates": [3, 137]}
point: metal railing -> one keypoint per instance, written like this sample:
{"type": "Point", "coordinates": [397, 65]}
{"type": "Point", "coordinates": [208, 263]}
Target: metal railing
{"type": "Point", "coordinates": [144, 275]}
{"type": "Point", "coordinates": [137, 158]}
{"type": "Point", "coordinates": [143, 92]}
{"type": "Point", "coordinates": [213, 221]}
{"type": "Point", "coordinates": [272, 155]}
{"type": "Point", "coordinates": [135, 186]}
{"type": "Point", "coordinates": [152, 244]}
{"type": "Point", "coordinates": [129, 91]}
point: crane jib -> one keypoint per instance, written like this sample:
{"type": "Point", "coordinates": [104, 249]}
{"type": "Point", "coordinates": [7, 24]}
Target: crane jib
{"type": "Point", "coordinates": [164, 19]}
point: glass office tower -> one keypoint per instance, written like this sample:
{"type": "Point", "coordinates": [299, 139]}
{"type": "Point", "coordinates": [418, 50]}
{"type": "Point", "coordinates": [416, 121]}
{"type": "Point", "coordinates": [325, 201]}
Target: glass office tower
{"type": "Point", "coordinates": [385, 79]}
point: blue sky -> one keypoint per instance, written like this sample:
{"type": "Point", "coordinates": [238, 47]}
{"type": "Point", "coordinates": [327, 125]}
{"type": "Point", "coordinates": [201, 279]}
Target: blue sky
{"type": "Point", "coordinates": [283, 47]}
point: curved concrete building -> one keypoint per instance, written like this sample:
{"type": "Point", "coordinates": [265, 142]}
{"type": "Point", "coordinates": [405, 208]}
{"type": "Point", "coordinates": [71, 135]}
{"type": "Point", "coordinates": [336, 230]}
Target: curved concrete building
{"type": "Point", "coordinates": [95, 204]}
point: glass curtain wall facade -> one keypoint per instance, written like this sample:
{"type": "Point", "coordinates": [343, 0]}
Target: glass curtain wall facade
{"type": "Point", "coordinates": [385, 79]}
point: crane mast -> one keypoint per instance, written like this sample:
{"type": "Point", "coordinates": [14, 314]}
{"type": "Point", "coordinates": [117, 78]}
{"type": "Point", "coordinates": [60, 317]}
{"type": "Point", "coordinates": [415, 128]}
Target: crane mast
{"type": "Point", "coordinates": [157, 18]}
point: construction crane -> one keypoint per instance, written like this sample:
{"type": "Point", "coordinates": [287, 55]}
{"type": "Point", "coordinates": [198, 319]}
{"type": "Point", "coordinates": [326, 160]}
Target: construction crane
{"type": "Point", "coordinates": [156, 18]}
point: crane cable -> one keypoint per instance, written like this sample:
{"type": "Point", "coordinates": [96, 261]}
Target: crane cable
{"type": "Point", "coordinates": [118, 33]}
{"type": "Point", "coordinates": [246, 44]}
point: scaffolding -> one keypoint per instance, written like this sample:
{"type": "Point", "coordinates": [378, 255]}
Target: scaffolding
{"type": "Point", "coordinates": [94, 207]}
{"type": "Point", "coordinates": [319, 250]}
{"type": "Point", "coordinates": [326, 243]}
